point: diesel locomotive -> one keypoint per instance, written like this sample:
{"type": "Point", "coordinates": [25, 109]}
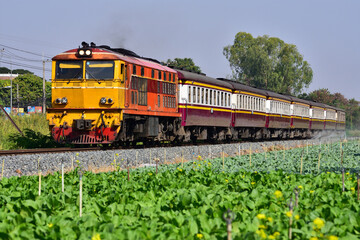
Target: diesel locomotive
{"type": "Point", "coordinates": [104, 95]}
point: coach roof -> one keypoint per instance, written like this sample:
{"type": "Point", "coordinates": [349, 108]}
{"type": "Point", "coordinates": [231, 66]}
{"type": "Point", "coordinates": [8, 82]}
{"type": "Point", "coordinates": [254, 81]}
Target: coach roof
{"type": "Point", "coordinates": [246, 88]}
{"type": "Point", "coordinates": [185, 75]}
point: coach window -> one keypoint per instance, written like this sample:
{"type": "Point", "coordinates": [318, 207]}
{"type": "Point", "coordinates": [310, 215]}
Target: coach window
{"type": "Point", "coordinates": [240, 106]}
{"type": "Point", "coordinates": [206, 96]}
{"type": "Point", "coordinates": [197, 95]}
{"type": "Point", "coordinates": [134, 69]}
{"type": "Point", "coordinates": [263, 105]}
{"type": "Point", "coordinates": [215, 94]}
{"type": "Point", "coordinates": [159, 74]}
{"type": "Point", "coordinates": [170, 80]}
{"type": "Point", "coordinates": [164, 76]}
{"type": "Point", "coordinates": [152, 73]}
{"type": "Point", "coordinates": [274, 106]}
{"type": "Point", "coordinates": [189, 94]}
{"type": "Point", "coordinates": [202, 95]}
{"type": "Point", "coordinates": [210, 97]}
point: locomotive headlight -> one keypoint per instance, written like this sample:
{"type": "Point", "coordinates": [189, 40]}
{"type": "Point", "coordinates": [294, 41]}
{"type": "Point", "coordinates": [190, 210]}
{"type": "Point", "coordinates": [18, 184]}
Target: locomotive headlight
{"type": "Point", "coordinates": [103, 100]}
{"type": "Point", "coordinates": [58, 101]}
{"type": "Point", "coordinates": [110, 101]}
{"type": "Point", "coordinates": [81, 52]}
{"type": "Point", "coordinates": [64, 100]}
{"type": "Point", "coordinates": [88, 52]}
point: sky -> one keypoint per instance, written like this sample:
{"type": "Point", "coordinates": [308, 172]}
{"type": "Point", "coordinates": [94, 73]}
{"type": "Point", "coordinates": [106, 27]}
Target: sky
{"type": "Point", "coordinates": [326, 32]}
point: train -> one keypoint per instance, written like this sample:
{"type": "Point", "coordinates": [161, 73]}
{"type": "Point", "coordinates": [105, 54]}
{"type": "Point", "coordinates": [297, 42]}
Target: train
{"type": "Point", "coordinates": [104, 95]}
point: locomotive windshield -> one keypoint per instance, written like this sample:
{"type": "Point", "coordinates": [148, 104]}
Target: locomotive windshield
{"type": "Point", "coordinates": [93, 70]}
{"type": "Point", "coordinates": [69, 70]}
{"type": "Point", "coordinates": [99, 70]}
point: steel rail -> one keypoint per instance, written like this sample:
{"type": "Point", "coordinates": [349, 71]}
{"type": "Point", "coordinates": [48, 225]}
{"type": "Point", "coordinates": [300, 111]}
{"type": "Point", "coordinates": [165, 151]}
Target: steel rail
{"type": "Point", "coordinates": [46, 150]}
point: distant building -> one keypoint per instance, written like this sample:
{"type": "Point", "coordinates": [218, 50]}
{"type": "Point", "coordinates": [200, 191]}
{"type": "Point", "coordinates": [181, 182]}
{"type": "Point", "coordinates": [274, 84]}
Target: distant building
{"type": "Point", "coordinates": [8, 76]}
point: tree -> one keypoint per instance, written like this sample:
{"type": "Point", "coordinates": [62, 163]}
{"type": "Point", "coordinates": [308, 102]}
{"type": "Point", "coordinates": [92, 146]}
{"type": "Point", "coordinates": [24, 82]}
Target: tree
{"type": "Point", "coordinates": [15, 71]}
{"type": "Point", "coordinates": [30, 91]}
{"type": "Point", "coordinates": [184, 63]}
{"type": "Point", "coordinates": [269, 63]}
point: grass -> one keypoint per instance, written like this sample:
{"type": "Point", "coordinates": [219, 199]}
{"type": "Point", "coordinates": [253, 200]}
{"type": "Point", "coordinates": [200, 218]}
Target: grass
{"type": "Point", "coordinates": [35, 127]}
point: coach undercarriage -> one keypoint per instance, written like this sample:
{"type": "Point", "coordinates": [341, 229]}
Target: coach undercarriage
{"type": "Point", "coordinates": [153, 129]}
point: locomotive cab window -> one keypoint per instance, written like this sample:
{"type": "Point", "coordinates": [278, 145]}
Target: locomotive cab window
{"type": "Point", "coordinates": [99, 69]}
{"type": "Point", "coordinates": [69, 70]}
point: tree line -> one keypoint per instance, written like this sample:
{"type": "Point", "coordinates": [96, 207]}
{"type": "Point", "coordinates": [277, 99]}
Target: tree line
{"type": "Point", "coordinates": [29, 91]}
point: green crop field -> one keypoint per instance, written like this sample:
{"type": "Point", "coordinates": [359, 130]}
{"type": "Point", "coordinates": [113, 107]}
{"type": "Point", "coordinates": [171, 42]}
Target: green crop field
{"type": "Point", "coordinates": [188, 201]}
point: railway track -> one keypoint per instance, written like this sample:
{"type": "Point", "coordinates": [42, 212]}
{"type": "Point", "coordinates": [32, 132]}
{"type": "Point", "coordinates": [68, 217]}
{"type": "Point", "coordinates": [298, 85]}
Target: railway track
{"type": "Point", "coordinates": [87, 149]}
{"type": "Point", "coordinates": [46, 150]}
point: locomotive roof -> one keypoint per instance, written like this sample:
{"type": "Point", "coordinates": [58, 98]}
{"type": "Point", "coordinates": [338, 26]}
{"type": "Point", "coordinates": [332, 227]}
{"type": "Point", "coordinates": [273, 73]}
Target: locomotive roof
{"type": "Point", "coordinates": [99, 53]}
{"type": "Point", "coordinates": [185, 75]}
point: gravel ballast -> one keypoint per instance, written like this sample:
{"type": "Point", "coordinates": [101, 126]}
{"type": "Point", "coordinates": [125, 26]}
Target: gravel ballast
{"type": "Point", "coordinates": [27, 164]}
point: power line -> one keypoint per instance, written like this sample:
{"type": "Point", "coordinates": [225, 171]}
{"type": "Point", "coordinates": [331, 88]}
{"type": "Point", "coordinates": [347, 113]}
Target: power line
{"type": "Point", "coordinates": [10, 55]}
{"type": "Point", "coordinates": [25, 65]}
{"type": "Point", "coordinates": [36, 54]}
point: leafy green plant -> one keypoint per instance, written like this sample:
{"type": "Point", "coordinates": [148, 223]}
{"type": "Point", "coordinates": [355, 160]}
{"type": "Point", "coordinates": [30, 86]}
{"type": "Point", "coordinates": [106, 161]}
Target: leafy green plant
{"type": "Point", "coordinates": [188, 202]}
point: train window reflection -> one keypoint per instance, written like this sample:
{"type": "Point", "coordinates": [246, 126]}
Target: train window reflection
{"type": "Point", "coordinates": [99, 69]}
{"type": "Point", "coordinates": [69, 70]}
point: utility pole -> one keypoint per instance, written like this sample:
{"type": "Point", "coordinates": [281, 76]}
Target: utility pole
{"type": "Point", "coordinates": [44, 95]}
{"type": "Point", "coordinates": [11, 102]}
{"type": "Point", "coordinates": [17, 96]}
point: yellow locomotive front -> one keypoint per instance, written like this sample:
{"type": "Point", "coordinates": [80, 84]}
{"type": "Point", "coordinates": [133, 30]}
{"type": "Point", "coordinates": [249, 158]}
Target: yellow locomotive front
{"type": "Point", "coordinates": [88, 92]}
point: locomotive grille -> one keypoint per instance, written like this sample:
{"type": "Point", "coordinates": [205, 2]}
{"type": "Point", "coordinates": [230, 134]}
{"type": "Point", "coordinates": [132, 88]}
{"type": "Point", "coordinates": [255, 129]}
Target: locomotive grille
{"type": "Point", "coordinates": [86, 139]}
